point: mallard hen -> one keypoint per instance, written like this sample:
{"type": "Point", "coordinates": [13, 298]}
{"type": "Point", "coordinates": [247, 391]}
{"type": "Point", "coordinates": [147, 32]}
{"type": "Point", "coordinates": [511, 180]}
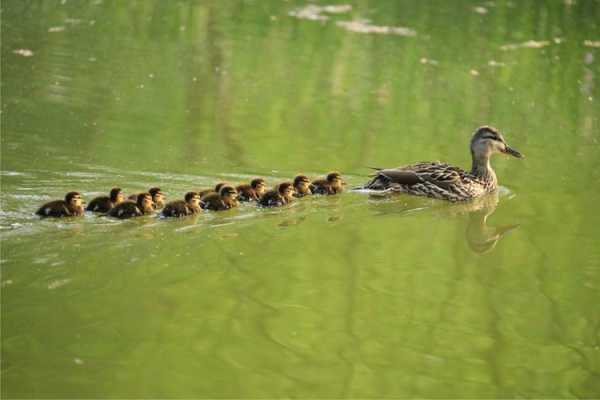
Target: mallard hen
{"type": "Point", "coordinates": [447, 182]}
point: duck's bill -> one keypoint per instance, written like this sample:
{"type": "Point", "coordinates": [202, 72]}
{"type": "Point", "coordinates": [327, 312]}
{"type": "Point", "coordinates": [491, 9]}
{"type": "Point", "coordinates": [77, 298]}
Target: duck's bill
{"type": "Point", "coordinates": [513, 152]}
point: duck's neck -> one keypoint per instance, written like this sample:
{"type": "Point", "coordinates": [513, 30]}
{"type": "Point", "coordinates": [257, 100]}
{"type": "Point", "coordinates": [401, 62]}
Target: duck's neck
{"type": "Point", "coordinates": [482, 169]}
{"type": "Point", "coordinates": [75, 210]}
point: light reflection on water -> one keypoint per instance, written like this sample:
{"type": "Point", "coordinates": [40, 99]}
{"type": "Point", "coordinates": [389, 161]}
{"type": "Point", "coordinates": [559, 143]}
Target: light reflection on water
{"type": "Point", "coordinates": [345, 296]}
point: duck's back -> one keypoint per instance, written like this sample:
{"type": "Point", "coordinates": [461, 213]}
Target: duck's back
{"type": "Point", "coordinates": [178, 208]}
{"type": "Point", "coordinates": [212, 201]}
{"type": "Point", "coordinates": [431, 179]}
{"type": "Point", "coordinates": [246, 193]}
{"type": "Point", "coordinates": [56, 208]}
{"type": "Point", "coordinates": [126, 209]}
{"type": "Point", "coordinates": [100, 204]}
{"type": "Point", "coordinates": [321, 186]}
{"type": "Point", "coordinates": [271, 198]}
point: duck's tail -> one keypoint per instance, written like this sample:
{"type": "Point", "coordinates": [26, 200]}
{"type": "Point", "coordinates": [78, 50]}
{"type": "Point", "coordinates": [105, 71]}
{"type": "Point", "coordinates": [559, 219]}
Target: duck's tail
{"type": "Point", "coordinates": [377, 182]}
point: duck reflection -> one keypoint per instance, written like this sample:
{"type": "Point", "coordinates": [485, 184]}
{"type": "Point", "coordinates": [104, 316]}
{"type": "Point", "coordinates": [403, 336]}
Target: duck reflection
{"type": "Point", "coordinates": [481, 237]}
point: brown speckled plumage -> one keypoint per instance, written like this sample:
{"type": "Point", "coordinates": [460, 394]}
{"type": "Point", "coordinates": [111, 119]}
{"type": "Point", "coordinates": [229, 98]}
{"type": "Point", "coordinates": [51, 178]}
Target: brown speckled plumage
{"type": "Point", "coordinates": [443, 181]}
{"type": "Point", "coordinates": [332, 184]}
{"type": "Point", "coordinates": [129, 209]}
{"type": "Point", "coordinates": [282, 194]}
{"type": "Point", "coordinates": [224, 200]}
{"type": "Point", "coordinates": [301, 186]}
{"type": "Point", "coordinates": [181, 208]}
{"type": "Point", "coordinates": [71, 206]}
{"type": "Point", "coordinates": [252, 191]}
{"type": "Point", "coordinates": [103, 204]}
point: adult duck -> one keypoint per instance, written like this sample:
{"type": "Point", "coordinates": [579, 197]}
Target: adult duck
{"type": "Point", "coordinates": [447, 182]}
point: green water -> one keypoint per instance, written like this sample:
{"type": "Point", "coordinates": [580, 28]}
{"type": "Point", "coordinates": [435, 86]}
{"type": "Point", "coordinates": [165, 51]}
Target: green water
{"type": "Point", "coordinates": [345, 296]}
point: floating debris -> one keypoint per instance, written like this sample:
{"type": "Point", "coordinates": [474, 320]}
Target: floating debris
{"type": "Point", "coordinates": [591, 43]}
{"type": "Point", "coordinates": [480, 10]}
{"type": "Point", "coordinates": [23, 52]}
{"type": "Point", "coordinates": [72, 21]}
{"type": "Point", "coordinates": [496, 64]}
{"type": "Point", "coordinates": [315, 13]}
{"type": "Point", "coordinates": [337, 9]}
{"type": "Point", "coordinates": [54, 29]}
{"type": "Point", "coordinates": [428, 61]}
{"type": "Point", "coordinates": [588, 58]}
{"type": "Point", "coordinates": [530, 44]}
{"type": "Point", "coordinates": [58, 283]}
{"type": "Point", "coordinates": [364, 26]}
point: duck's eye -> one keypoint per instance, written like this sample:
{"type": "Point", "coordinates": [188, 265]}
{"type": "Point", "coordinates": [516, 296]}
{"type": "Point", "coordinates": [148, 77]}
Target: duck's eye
{"type": "Point", "coordinates": [490, 137]}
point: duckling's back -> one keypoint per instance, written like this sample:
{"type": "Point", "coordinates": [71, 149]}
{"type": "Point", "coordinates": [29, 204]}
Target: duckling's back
{"type": "Point", "coordinates": [272, 198]}
{"type": "Point", "coordinates": [321, 186]}
{"type": "Point", "coordinates": [246, 193]}
{"type": "Point", "coordinates": [127, 209]}
{"type": "Point", "coordinates": [212, 201]}
{"type": "Point", "coordinates": [178, 208]}
{"type": "Point", "coordinates": [56, 208]}
{"type": "Point", "coordinates": [100, 204]}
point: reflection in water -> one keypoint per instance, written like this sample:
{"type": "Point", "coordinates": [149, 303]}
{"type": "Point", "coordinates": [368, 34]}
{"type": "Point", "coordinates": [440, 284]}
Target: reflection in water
{"type": "Point", "coordinates": [481, 237]}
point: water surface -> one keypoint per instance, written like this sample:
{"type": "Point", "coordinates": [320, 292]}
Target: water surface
{"type": "Point", "coordinates": [346, 296]}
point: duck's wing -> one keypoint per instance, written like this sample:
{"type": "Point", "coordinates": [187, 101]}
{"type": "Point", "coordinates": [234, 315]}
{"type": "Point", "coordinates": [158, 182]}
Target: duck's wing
{"type": "Point", "coordinates": [439, 174]}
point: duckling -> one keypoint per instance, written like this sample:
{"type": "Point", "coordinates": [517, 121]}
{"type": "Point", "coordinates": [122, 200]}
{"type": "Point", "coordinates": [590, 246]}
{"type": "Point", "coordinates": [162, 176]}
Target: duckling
{"type": "Point", "coordinates": [104, 203]}
{"type": "Point", "coordinates": [224, 200]}
{"type": "Point", "coordinates": [217, 189]}
{"type": "Point", "coordinates": [182, 208]}
{"type": "Point", "coordinates": [128, 209]}
{"type": "Point", "coordinates": [280, 196]}
{"type": "Point", "coordinates": [158, 198]}
{"type": "Point", "coordinates": [71, 206]}
{"type": "Point", "coordinates": [252, 191]}
{"type": "Point", "coordinates": [332, 184]}
{"type": "Point", "coordinates": [301, 186]}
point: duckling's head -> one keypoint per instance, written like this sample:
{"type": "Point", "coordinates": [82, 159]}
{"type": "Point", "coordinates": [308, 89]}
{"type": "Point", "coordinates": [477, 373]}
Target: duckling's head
{"type": "Point", "coordinates": [259, 186]}
{"type": "Point", "coordinates": [116, 195]}
{"type": "Point", "coordinates": [286, 190]}
{"type": "Point", "coordinates": [73, 199]}
{"type": "Point", "coordinates": [192, 199]}
{"type": "Point", "coordinates": [228, 192]}
{"type": "Point", "coordinates": [144, 201]}
{"type": "Point", "coordinates": [157, 196]}
{"type": "Point", "coordinates": [302, 184]}
{"type": "Point", "coordinates": [218, 186]}
{"type": "Point", "coordinates": [335, 180]}
{"type": "Point", "coordinates": [487, 140]}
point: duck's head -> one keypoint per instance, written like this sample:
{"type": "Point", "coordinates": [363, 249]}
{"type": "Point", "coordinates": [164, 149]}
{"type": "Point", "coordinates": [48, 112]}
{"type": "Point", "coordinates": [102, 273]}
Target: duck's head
{"type": "Point", "coordinates": [192, 199]}
{"type": "Point", "coordinates": [145, 202]}
{"type": "Point", "coordinates": [286, 190]}
{"type": "Point", "coordinates": [335, 180]}
{"type": "Point", "coordinates": [487, 140]}
{"type": "Point", "coordinates": [116, 195]}
{"type": "Point", "coordinates": [302, 184]}
{"type": "Point", "coordinates": [259, 186]}
{"type": "Point", "coordinates": [228, 192]}
{"type": "Point", "coordinates": [218, 186]}
{"type": "Point", "coordinates": [157, 196]}
{"type": "Point", "coordinates": [73, 199]}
